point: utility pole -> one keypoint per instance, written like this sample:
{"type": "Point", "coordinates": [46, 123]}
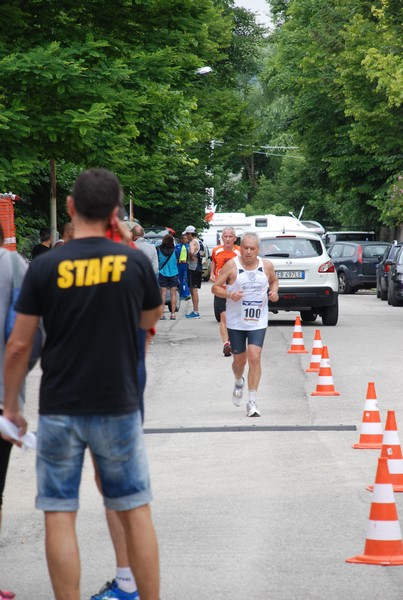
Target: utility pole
{"type": "Point", "coordinates": [53, 204]}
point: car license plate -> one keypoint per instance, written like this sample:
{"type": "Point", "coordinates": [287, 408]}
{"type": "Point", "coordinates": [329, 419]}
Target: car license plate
{"type": "Point", "coordinates": [290, 274]}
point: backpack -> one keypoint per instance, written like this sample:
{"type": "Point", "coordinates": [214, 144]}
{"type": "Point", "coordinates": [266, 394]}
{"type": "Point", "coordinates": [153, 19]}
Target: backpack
{"type": "Point", "coordinates": [200, 256]}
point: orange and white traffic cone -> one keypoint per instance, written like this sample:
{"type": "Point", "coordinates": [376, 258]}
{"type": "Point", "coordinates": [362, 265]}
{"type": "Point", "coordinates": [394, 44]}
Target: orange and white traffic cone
{"type": "Point", "coordinates": [325, 386]}
{"type": "Point", "coordinates": [383, 545]}
{"type": "Point", "coordinates": [316, 354]}
{"type": "Point", "coordinates": [371, 434]}
{"type": "Point", "coordinates": [297, 343]}
{"type": "Point", "coordinates": [392, 451]}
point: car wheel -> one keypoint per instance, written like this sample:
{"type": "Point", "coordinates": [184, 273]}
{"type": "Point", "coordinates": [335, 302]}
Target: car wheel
{"type": "Point", "coordinates": [216, 311]}
{"type": "Point", "coordinates": [392, 296]}
{"type": "Point", "coordinates": [378, 291]}
{"type": "Point", "coordinates": [178, 300]}
{"type": "Point", "coordinates": [207, 276]}
{"type": "Point", "coordinates": [383, 294]}
{"type": "Point", "coordinates": [344, 286]}
{"type": "Point", "coordinates": [309, 316]}
{"type": "Point", "coordinates": [330, 314]}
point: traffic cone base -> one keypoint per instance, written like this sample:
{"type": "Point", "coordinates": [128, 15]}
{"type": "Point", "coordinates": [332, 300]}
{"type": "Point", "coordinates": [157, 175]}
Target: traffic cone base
{"type": "Point", "coordinates": [297, 342]}
{"type": "Point", "coordinates": [360, 446]}
{"type": "Point", "coordinates": [368, 559]}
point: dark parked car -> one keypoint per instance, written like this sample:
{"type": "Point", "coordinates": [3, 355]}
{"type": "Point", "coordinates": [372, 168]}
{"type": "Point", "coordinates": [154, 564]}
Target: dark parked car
{"type": "Point", "coordinates": [356, 263]}
{"type": "Point", "coordinates": [383, 269]}
{"type": "Point", "coordinates": [395, 279]}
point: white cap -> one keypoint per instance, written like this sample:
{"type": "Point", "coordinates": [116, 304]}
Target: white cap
{"type": "Point", "coordinates": [190, 229]}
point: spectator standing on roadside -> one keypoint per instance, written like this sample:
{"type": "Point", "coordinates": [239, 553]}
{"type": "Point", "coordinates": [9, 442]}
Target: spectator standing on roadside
{"type": "Point", "coordinates": [145, 247]}
{"type": "Point", "coordinates": [182, 254]}
{"type": "Point", "coordinates": [45, 236]}
{"type": "Point", "coordinates": [68, 234]}
{"type": "Point", "coordinates": [100, 293]}
{"type": "Point", "coordinates": [220, 256]}
{"type": "Point", "coordinates": [168, 273]}
{"type": "Point", "coordinates": [194, 270]}
{"type": "Point", "coordinates": [244, 281]}
{"type": "Point", "coordinates": [6, 285]}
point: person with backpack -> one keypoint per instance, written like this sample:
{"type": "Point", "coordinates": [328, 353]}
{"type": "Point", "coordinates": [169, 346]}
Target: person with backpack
{"type": "Point", "coordinates": [168, 273]}
{"type": "Point", "coordinates": [196, 253]}
{"type": "Point", "coordinates": [182, 254]}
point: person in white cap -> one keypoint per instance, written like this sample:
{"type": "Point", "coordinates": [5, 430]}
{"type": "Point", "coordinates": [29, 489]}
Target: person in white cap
{"type": "Point", "coordinates": [194, 270]}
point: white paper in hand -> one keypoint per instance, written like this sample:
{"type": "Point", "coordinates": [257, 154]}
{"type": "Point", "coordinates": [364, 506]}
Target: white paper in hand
{"type": "Point", "coordinates": [11, 430]}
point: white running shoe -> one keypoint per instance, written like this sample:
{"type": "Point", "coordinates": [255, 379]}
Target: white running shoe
{"type": "Point", "coordinates": [237, 394]}
{"type": "Point", "coordinates": [251, 410]}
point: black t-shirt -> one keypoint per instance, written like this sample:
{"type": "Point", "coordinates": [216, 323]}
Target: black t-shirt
{"type": "Point", "coordinates": [90, 294]}
{"type": "Point", "coordinates": [39, 249]}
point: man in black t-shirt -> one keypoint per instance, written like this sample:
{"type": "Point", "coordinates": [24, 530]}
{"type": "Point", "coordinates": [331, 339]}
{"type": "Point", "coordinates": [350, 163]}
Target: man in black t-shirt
{"type": "Point", "coordinates": [45, 235]}
{"type": "Point", "coordinates": [93, 296]}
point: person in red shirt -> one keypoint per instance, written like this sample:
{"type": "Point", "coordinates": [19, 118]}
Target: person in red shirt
{"type": "Point", "coordinates": [221, 255]}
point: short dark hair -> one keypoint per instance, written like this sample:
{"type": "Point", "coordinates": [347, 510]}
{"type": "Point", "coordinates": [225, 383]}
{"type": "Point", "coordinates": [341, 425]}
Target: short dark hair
{"type": "Point", "coordinates": [96, 193]}
{"type": "Point", "coordinates": [168, 241]}
{"type": "Point", "coordinates": [45, 233]}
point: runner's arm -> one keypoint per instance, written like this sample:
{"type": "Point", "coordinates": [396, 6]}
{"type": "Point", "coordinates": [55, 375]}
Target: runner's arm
{"type": "Point", "coordinates": [213, 268]}
{"type": "Point", "coordinates": [272, 279]}
{"type": "Point", "coordinates": [193, 250]}
{"type": "Point", "coordinates": [227, 275]}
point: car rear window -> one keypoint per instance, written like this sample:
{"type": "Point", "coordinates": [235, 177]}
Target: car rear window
{"type": "Point", "coordinates": [373, 250]}
{"type": "Point", "coordinates": [290, 247]}
{"type": "Point", "coordinates": [392, 252]}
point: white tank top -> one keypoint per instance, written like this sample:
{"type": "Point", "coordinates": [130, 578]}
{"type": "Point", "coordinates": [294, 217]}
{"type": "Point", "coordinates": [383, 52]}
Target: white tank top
{"type": "Point", "coordinates": [251, 312]}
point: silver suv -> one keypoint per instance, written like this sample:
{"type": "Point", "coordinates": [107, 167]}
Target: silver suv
{"type": "Point", "coordinates": [307, 276]}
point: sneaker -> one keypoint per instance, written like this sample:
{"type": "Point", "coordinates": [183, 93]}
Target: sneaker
{"type": "Point", "coordinates": [227, 350]}
{"type": "Point", "coordinates": [237, 394]}
{"type": "Point", "coordinates": [193, 315]}
{"type": "Point", "coordinates": [251, 410]}
{"type": "Point", "coordinates": [112, 592]}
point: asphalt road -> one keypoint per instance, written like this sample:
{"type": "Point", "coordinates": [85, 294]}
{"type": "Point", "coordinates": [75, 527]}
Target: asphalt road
{"type": "Point", "coordinates": [245, 509]}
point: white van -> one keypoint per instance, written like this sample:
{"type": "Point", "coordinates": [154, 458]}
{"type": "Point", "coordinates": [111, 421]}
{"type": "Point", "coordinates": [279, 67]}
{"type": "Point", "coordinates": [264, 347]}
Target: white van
{"type": "Point", "coordinates": [241, 223]}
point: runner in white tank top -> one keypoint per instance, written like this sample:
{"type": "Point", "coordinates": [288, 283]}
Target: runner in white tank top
{"type": "Point", "coordinates": [247, 282]}
{"type": "Point", "coordinates": [251, 312]}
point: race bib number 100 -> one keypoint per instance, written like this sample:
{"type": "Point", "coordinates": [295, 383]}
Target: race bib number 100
{"type": "Point", "coordinates": [251, 310]}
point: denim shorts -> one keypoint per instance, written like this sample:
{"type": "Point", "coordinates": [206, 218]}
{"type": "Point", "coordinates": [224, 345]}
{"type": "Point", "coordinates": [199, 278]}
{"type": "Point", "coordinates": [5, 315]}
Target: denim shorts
{"type": "Point", "coordinates": [117, 445]}
{"type": "Point", "coordinates": [238, 337]}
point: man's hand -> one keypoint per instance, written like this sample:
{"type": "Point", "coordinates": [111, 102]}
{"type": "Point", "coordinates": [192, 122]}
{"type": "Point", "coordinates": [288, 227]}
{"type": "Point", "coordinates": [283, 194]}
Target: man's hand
{"type": "Point", "coordinates": [18, 420]}
{"type": "Point", "coordinates": [236, 296]}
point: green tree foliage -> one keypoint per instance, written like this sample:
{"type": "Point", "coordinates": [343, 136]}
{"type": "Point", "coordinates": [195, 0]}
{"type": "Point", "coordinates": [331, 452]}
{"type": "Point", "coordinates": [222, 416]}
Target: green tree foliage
{"type": "Point", "coordinates": [113, 83]}
{"type": "Point", "coordinates": [336, 68]}
{"type": "Point", "coordinates": [102, 83]}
